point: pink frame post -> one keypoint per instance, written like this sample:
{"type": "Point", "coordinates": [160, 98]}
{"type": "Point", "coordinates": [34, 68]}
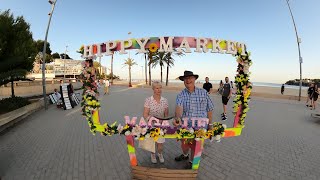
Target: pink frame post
{"type": "Point", "coordinates": [237, 117]}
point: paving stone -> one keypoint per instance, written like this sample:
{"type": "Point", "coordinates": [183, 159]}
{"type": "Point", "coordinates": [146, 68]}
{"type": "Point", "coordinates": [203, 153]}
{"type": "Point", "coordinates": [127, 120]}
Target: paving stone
{"type": "Point", "coordinates": [280, 141]}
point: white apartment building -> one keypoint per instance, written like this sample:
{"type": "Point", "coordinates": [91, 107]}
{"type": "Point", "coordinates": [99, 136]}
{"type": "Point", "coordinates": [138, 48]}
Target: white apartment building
{"type": "Point", "coordinates": [59, 68]}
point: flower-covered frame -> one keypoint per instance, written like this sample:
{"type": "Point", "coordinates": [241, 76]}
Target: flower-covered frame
{"type": "Point", "coordinates": [91, 105]}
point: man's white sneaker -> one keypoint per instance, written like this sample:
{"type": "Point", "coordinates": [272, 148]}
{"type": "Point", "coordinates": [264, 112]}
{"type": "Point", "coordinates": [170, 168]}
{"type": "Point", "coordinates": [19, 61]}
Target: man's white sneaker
{"type": "Point", "coordinates": [161, 159]}
{"type": "Point", "coordinates": [153, 158]}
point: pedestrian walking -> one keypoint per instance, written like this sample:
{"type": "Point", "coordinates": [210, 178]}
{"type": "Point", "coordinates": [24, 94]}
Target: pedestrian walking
{"type": "Point", "coordinates": [315, 95]}
{"type": "Point", "coordinates": [220, 89]}
{"type": "Point", "coordinates": [226, 94]}
{"type": "Point", "coordinates": [106, 87]}
{"type": "Point", "coordinates": [207, 85]}
{"type": "Point", "coordinates": [309, 98]}
{"type": "Point", "coordinates": [282, 89]}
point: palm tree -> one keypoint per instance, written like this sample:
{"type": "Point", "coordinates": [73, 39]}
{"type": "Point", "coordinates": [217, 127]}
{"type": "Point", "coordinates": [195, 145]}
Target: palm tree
{"type": "Point", "coordinates": [169, 62]}
{"type": "Point", "coordinates": [164, 58]}
{"type": "Point", "coordinates": [129, 62]}
{"type": "Point", "coordinates": [145, 67]}
{"type": "Point", "coordinates": [159, 58]}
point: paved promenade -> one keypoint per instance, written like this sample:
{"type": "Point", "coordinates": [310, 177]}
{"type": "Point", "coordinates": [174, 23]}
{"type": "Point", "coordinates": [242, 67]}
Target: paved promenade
{"type": "Point", "coordinates": [280, 141]}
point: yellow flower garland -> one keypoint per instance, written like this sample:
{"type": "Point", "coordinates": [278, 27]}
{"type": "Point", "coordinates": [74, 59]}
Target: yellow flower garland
{"type": "Point", "coordinates": [243, 86]}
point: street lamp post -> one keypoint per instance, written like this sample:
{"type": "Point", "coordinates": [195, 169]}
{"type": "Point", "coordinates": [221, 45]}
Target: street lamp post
{"type": "Point", "coordinates": [142, 73]}
{"type": "Point", "coordinates": [129, 33]}
{"type": "Point", "coordinates": [64, 65]}
{"type": "Point", "coordinates": [298, 42]}
{"type": "Point", "coordinates": [130, 85]}
{"type": "Point", "coordinates": [145, 67]}
{"type": "Point", "coordinates": [53, 4]}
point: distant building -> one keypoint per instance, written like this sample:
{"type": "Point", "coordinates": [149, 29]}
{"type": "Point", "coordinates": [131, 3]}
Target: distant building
{"type": "Point", "coordinates": [69, 68]}
{"type": "Point", "coordinates": [60, 67]}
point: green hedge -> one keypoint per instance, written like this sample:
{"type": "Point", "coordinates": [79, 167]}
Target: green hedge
{"type": "Point", "coordinates": [12, 103]}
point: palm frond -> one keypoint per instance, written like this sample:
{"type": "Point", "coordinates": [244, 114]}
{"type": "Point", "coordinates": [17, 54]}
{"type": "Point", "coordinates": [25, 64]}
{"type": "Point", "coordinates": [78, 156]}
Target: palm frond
{"type": "Point", "coordinates": [129, 62]}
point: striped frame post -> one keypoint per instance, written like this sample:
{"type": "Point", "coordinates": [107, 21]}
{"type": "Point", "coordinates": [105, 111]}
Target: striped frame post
{"type": "Point", "coordinates": [131, 151]}
{"type": "Point", "coordinates": [197, 154]}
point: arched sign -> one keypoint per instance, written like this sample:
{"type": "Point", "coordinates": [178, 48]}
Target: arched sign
{"type": "Point", "coordinates": [164, 44]}
{"type": "Point", "coordinates": [131, 129]}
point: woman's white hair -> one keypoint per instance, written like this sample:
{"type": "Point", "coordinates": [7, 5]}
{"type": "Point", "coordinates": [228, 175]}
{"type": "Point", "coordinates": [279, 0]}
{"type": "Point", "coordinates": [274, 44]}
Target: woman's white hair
{"type": "Point", "coordinates": [156, 83]}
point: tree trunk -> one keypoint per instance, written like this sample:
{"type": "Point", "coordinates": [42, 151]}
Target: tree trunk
{"type": "Point", "coordinates": [149, 70]}
{"type": "Point", "coordinates": [145, 67]}
{"type": "Point", "coordinates": [130, 76]}
{"type": "Point", "coordinates": [111, 73]}
{"type": "Point", "coordinates": [161, 73]}
{"type": "Point", "coordinates": [167, 78]}
{"type": "Point", "coordinates": [12, 89]}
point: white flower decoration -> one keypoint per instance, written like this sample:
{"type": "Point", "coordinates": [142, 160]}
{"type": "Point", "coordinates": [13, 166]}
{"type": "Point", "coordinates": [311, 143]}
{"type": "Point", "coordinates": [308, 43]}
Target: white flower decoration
{"type": "Point", "coordinates": [127, 133]}
{"type": "Point", "coordinates": [217, 137]}
{"type": "Point", "coordinates": [136, 130]}
{"type": "Point", "coordinates": [144, 131]}
{"type": "Point", "coordinates": [120, 128]}
{"type": "Point", "coordinates": [161, 132]}
{"type": "Point", "coordinates": [191, 130]}
{"type": "Point", "coordinates": [137, 137]}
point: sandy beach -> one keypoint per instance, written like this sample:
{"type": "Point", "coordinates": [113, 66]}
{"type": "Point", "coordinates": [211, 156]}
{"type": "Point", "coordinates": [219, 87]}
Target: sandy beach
{"type": "Point", "coordinates": [257, 91]}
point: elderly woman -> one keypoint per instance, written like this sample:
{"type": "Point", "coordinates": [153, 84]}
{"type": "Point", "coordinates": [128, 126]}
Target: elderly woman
{"type": "Point", "coordinates": [156, 106]}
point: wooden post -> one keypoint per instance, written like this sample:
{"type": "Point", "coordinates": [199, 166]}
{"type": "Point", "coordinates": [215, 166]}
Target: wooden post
{"type": "Point", "coordinates": [131, 151]}
{"type": "Point", "coordinates": [197, 154]}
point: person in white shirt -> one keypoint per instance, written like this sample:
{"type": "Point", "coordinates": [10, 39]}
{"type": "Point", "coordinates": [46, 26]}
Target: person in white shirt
{"type": "Point", "coordinates": [58, 95]}
{"type": "Point", "coordinates": [106, 86]}
{"type": "Point", "coordinates": [98, 84]}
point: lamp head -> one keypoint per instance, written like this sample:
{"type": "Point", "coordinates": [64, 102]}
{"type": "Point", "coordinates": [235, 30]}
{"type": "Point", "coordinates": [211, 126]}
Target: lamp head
{"type": "Point", "coordinates": [51, 1]}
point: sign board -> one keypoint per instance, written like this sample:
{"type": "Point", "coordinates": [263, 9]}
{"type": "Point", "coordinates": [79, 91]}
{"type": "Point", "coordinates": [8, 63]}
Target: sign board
{"type": "Point", "coordinates": [165, 44]}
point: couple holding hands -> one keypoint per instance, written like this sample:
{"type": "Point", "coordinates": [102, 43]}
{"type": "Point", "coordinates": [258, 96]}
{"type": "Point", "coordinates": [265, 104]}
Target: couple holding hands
{"type": "Point", "coordinates": [190, 102]}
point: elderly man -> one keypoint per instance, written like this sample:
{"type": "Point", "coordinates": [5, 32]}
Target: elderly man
{"type": "Point", "coordinates": [191, 102]}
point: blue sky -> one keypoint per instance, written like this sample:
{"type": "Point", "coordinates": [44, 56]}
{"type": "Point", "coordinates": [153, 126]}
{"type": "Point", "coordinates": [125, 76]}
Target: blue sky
{"type": "Point", "coordinates": [265, 26]}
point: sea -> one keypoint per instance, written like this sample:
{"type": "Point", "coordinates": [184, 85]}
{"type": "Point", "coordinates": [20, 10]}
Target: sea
{"type": "Point", "coordinates": [263, 84]}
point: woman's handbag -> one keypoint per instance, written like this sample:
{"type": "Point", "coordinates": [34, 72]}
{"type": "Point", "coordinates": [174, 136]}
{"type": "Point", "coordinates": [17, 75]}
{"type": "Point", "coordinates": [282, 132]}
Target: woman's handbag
{"type": "Point", "coordinates": [148, 144]}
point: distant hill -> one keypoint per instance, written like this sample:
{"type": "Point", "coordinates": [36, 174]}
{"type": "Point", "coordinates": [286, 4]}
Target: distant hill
{"type": "Point", "coordinates": [305, 82]}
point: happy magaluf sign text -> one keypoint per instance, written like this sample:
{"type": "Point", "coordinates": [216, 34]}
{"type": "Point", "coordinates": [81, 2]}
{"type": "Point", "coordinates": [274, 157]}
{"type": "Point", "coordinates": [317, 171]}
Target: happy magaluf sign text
{"type": "Point", "coordinates": [165, 44]}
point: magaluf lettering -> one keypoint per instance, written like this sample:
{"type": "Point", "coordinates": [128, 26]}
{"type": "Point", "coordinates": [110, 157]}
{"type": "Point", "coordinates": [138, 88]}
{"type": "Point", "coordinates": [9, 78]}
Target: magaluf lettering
{"type": "Point", "coordinates": [201, 122]}
{"type": "Point", "coordinates": [166, 44]}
